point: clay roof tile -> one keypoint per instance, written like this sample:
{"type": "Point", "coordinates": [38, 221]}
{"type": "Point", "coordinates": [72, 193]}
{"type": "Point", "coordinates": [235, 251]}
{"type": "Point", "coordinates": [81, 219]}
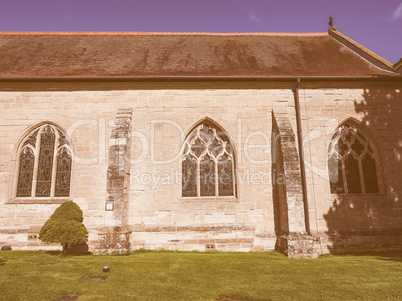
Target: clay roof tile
{"type": "Point", "coordinates": [139, 54]}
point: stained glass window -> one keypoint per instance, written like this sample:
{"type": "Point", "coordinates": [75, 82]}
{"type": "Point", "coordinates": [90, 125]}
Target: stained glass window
{"type": "Point", "coordinates": [352, 163]}
{"type": "Point", "coordinates": [189, 180]}
{"type": "Point", "coordinates": [225, 176]}
{"type": "Point", "coordinates": [352, 175]}
{"type": "Point", "coordinates": [207, 176]}
{"type": "Point", "coordinates": [25, 175]}
{"type": "Point", "coordinates": [207, 163]}
{"type": "Point", "coordinates": [63, 171]}
{"type": "Point", "coordinates": [46, 151]}
{"type": "Point", "coordinates": [335, 174]}
{"type": "Point", "coordinates": [370, 174]}
{"type": "Point", "coordinates": [45, 159]}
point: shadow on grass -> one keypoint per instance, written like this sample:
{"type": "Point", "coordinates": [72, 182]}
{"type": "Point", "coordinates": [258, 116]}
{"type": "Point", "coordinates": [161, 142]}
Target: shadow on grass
{"type": "Point", "coordinates": [273, 253]}
{"type": "Point", "coordinates": [65, 254]}
{"type": "Point", "coordinates": [385, 256]}
{"type": "Point", "coordinates": [388, 256]}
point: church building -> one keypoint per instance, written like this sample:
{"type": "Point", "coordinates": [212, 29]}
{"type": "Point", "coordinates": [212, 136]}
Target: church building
{"type": "Point", "coordinates": [202, 141]}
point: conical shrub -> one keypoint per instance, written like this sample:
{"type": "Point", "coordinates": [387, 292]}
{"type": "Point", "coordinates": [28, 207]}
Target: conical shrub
{"type": "Point", "coordinates": [65, 226]}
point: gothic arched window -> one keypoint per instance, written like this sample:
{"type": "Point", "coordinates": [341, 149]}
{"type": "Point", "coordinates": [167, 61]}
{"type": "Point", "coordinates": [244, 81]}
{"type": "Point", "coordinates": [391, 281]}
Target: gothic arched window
{"type": "Point", "coordinates": [208, 164]}
{"type": "Point", "coordinates": [44, 164]}
{"type": "Point", "coordinates": [353, 162]}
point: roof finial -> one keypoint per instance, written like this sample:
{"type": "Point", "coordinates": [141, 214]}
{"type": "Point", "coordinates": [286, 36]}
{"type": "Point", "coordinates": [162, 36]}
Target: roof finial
{"type": "Point", "coordinates": [331, 24]}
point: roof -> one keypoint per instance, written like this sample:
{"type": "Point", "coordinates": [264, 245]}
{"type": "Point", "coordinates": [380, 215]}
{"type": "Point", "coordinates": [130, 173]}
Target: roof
{"type": "Point", "coordinates": [398, 66]}
{"type": "Point", "coordinates": [130, 54]}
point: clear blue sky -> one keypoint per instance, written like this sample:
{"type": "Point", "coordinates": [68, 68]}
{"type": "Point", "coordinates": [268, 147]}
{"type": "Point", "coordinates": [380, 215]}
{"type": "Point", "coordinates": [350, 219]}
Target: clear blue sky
{"type": "Point", "coordinates": [374, 23]}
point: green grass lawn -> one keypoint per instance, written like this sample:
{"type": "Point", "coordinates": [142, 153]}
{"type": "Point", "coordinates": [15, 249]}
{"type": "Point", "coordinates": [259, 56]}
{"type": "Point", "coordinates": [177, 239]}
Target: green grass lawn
{"type": "Point", "coordinates": [192, 276]}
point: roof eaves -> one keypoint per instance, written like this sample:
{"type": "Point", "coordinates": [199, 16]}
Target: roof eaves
{"type": "Point", "coordinates": [395, 76]}
{"type": "Point", "coordinates": [362, 51]}
{"type": "Point", "coordinates": [398, 66]}
{"type": "Point", "coordinates": [137, 33]}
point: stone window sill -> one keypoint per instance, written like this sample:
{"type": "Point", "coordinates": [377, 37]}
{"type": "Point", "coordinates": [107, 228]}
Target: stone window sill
{"type": "Point", "coordinates": [210, 199]}
{"type": "Point", "coordinates": [37, 200]}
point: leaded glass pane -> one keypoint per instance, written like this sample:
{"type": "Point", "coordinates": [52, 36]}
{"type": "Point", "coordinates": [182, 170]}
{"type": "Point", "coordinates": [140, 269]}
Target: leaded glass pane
{"type": "Point", "coordinates": [358, 147]}
{"type": "Point", "coordinates": [352, 175]}
{"type": "Point", "coordinates": [335, 175]}
{"type": "Point", "coordinates": [347, 132]}
{"type": "Point", "coordinates": [229, 149]}
{"type": "Point", "coordinates": [370, 174]}
{"type": "Point", "coordinates": [341, 147]}
{"type": "Point", "coordinates": [47, 141]}
{"type": "Point", "coordinates": [207, 176]}
{"type": "Point", "coordinates": [32, 139]}
{"type": "Point", "coordinates": [189, 179]}
{"type": "Point", "coordinates": [198, 147]}
{"type": "Point", "coordinates": [185, 150]}
{"type": "Point", "coordinates": [206, 133]}
{"type": "Point", "coordinates": [25, 175]}
{"type": "Point", "coordinates": [225, 176]}
{"type": "Point", "coordinates": [215, 148]}
{"type": "Point", "coordinates": [222, 136]}
{"type": "Point", "coordinates": [62, 140]}
{"type": "Point", "coordinates": [63, 174]}
{"type": "Point", "coordinates": [192, 136]}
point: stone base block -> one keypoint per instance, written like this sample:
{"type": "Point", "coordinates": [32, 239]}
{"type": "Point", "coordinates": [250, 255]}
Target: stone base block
{"type": "Point", "coordinates": [112, 240]}
{"type": "Point", "coordinates": [297, 245]}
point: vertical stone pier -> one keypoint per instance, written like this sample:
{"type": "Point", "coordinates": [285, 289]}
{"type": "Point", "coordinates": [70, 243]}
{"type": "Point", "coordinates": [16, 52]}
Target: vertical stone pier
{"type": "Point", "coordinates": [292, 237]}
{"type": "Point", "coordinates": [115, 237]}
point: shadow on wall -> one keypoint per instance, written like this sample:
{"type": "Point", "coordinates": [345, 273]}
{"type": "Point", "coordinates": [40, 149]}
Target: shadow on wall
{"type": "Point", "coordinates": [278, 191]}
{"type": "Point", "coordinates": [361, 222]}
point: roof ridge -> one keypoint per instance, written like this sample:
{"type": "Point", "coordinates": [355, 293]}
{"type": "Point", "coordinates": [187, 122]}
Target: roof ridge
{"type": "Point", "coordinates": [361, 50]}
{"type": "Point", "coordinates": [134, 33]}
{"type": "Point", "coordinates": [398, 64]}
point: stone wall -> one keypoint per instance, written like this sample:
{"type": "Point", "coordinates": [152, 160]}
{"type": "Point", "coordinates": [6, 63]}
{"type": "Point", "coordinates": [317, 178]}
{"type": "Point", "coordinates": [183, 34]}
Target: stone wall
{"type": "Point", "coordinates": [157, 215]}
{"type": "Point", "coordinates": [360, 222]}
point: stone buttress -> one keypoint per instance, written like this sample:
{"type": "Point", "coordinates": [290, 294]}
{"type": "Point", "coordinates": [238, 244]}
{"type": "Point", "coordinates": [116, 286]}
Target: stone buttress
{"type": "Point", "coordinates": [115, 236]}
{"type": "Point", "coordinates": [292, 236]}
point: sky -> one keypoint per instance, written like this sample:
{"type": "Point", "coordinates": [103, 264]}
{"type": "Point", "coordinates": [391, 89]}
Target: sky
{"type": "Point", "coordinates": [376, 24]}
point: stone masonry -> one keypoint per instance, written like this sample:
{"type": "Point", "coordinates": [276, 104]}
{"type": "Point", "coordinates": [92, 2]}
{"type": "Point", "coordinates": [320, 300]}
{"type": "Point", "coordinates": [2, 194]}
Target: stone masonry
{"type": "Point", "coordinates": [157, 216]}
{"type": "Point", "coordinates": [115, 237]}
{"type": "Point", "coordinates": [293, 238]}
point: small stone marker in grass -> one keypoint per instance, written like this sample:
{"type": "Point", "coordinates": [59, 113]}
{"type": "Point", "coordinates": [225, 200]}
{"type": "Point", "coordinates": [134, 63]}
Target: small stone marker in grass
{"type": "Point", "coordinates": [66, 298]}
{"type": "Point", "coordinates": [97, 278]}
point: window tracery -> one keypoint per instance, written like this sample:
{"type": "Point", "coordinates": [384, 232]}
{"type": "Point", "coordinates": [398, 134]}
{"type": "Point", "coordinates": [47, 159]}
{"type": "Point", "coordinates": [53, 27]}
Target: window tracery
{"type": "Point", "coordinates": [44, 162]}
{"type": "Point", "coordinates": [352, 162]}
{"type": "Point", "coordinates": [208, 163]}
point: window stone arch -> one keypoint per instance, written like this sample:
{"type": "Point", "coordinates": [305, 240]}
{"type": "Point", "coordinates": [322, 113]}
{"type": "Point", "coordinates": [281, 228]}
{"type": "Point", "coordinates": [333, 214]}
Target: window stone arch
{"type": "Point", "coordinates": [208, 162]}
{"type": "Point", "coordinates": [353, 161]}
{"type": "Point", "coordinates": [44, 161]}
